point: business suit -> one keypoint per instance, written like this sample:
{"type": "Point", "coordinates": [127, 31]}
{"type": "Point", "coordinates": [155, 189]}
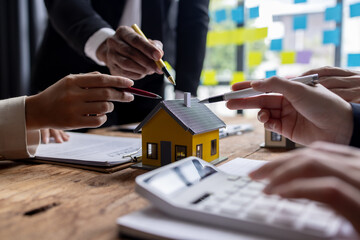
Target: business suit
{"type": "Point", "coordinates": [72, 22]}
{"type": "Point", "coordinates": [355, 139]}
{"type": "Point", "coordinates": [16, 142]}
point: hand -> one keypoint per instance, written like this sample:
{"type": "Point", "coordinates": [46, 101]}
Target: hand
{"type": "Point", "coordinates": [129, 55]}
{"type": "Point", "coordinates": [76, 101]}
{"type": "Point", "coordinates": [325, 172]}
{"type": "Point", "coordinates": [303, 113]}
{"type": "Point", "coordinates": [344, 83]}
{"type": "Point", "coordinates": [59, 135]}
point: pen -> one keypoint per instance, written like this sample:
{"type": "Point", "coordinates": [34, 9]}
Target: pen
{"type": "Point", "coordinates": [159, 63]}
{"type": "Point", "coordinates": [140, 92]}
{"type": "Point", "coordinates": [249, 92]}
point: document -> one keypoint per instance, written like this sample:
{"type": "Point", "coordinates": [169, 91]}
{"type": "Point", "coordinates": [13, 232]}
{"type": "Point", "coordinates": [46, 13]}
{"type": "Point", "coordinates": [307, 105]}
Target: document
{"type": "Point", "coordinates": [91, 150]}
{"type": "Point", "coordinates": [150, 223]}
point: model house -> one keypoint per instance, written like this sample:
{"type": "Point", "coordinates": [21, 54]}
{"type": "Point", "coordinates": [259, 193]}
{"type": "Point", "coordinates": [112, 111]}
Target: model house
{"type": "Point", "coordinates": [275, 140]}
{"type": "Point", "coordinates": [176, 129]}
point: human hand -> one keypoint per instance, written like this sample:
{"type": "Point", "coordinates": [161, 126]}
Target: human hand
{"type": "Point", "coordinates": [303, 113]}
{"type": "Point", "coordinates": [76, 101]}
{"type": "Point", "coordinates": [59, 135]}
{"type": "Point", "coordinates": [130, 55]}
{"type": "Point", "coordinates": [342, 82]}
{"type": "Point", "coordinates": [324, 172]}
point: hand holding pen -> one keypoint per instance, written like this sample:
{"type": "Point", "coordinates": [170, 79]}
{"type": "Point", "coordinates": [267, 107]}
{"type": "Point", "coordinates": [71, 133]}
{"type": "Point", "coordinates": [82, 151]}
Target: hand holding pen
{"type": "Point", "coordinates": [301, 113]}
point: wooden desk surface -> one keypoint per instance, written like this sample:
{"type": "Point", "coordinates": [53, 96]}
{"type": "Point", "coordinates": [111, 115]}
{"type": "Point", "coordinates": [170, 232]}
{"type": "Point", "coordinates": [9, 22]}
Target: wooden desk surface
{"type": "Point", "coordinates": [42, 201]}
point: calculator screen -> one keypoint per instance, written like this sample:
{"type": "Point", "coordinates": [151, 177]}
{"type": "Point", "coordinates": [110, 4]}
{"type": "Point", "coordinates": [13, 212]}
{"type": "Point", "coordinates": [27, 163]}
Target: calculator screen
{"type": "Point", "coordinates": [179, 177]}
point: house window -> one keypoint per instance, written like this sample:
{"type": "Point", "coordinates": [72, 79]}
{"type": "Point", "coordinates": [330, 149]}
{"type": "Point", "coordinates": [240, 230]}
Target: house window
{"type": "Point", "coordinates": [199, 149]}
{"type": "Point", "coordinates": [276, 137]}
{"type": "Point", "coordinates": [180, 152]}
{"type": "Point", "coordinates": [213, 147]}
{"type": "Point", "coordinates": [152, 152]}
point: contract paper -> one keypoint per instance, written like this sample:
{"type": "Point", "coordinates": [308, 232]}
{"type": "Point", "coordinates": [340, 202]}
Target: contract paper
{"type": "Point", "coordinates": [91, 149]}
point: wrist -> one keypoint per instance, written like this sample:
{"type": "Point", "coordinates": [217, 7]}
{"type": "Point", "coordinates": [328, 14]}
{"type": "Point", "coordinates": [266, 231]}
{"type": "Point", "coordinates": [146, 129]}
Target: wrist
{"type": "Point", "coordinates": [33, 116]}
{"type": "Point", "coordinates": [101, 52]}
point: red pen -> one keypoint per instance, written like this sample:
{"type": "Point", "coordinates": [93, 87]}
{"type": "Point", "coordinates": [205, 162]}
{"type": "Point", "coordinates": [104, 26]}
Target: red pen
{"type": "Point", "coordinates": [140, 92]}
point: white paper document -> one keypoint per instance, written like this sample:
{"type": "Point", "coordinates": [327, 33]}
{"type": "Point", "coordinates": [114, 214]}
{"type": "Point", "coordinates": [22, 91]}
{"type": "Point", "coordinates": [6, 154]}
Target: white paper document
{"type": "Point", "coordinates": [150, 222]}
{"type": "Point", "coordinates": [90, 149]}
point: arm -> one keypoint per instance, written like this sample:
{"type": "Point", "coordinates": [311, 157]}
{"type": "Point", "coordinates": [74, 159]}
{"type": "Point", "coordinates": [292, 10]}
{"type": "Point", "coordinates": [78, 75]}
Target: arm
{"type": "Point", "coordinates": [76, 101]}
{"type": "Point", "coordinates": [15, 140]}
{"type": "Point", "coordinates": [75, 21]}
{"type": "Point", "coordinates": [302, 113]}
{"type": "Point", "coordinates": [192, 30]}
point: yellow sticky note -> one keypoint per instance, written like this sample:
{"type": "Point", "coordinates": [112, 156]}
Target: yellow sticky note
{"type": "Point", "coordinates": [209, 78]}
{"type": "Point", "coordinates": [255, 58]}
{"type": "Point", "coordinates": [261, 33]}
{"type": "Point", "coordinates": [237, 77]}
{"type": "Point", "coordinates": [239, 36]}
{"type": "Point", "coordinates": [249, 34]}
{"type": "Point", "coordinates": [288, 57]}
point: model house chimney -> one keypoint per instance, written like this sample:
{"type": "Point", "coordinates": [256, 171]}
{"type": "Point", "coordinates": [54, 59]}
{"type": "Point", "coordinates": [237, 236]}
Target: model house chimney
{"type": "Point", "coordinates": [187, 99]}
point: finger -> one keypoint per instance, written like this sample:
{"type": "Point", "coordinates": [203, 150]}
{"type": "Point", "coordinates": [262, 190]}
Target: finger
{"type": "Point", "coordinates": [91, 121]}
{"type": "Point", "coordinates": [131, 64]}
{"type": "Point", "coordinates": [45, 135]}
{"type": "Point", "coordinates": [100, 80]}
{"type": "Point", "coordinates": [330, 71]}
{"type": "Point", "coordinates": [262, 101]}
{"type": "Point", "coordinates": [124, 54]}
{"type": "Point", "coordinates": [157, 44]}
{"type": "Point", "coordinates": [118, 71]}
{"type": "Point", "coordinates": [135, 40]}
{"type": "Point", "coordinates": [241, 85]}
{"type": "Point", "coordinates": [94, 108]}
{"type": "Point", "coordinates": [340, 82]}
{"type": "Point", "coordinates": [342, 197]}
{"type": "Point", "coordinates": [64, 136]}
{"type": "Point", "coordinates": [338, 149]}
{"type": "Point", "coordinates": [106, 94]}
{"type": "Point", "coordinates": [56, 135]}
{"type": "Point", "coordinates": [265, 170]}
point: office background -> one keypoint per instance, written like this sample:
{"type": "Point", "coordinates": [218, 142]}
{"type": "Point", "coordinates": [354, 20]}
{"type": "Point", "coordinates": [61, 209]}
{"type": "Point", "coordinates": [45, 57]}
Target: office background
{"type": "Point", "coordinates": [247, 40]}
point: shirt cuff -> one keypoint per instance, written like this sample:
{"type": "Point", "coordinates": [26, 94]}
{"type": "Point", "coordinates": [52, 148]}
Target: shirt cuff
{"type": "Point", "coordinates": [95, 41]}
{"type": "Point", "coordinates": [15, 141]}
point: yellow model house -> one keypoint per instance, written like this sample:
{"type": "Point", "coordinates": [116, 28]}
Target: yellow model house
{"type": "Point", "coordinates": [176, 129]}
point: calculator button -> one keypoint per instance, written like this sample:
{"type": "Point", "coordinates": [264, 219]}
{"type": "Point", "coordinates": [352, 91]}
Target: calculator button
{"type": "Point", "coordinates": [230, 209]}
{"type": "Point", "coordinates": [257, 214]}
{"type": "Point", "coordinates": [315, 226]}
{"type": "Point", "coordinates": [285, 220]}
{"type": "Point", "coordinates": [292, 208]}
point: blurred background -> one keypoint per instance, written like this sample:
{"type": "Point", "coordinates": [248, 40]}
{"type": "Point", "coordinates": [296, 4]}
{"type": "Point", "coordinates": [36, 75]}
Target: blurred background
{"type": "Point", "coordinates": [247, 40]}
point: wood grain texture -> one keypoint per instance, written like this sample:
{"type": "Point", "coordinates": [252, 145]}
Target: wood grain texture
{"type": "Point", "coordinates": [42, 201]}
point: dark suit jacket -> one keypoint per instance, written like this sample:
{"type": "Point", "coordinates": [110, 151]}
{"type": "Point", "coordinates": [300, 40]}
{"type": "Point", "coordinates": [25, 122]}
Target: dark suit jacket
{"type": "Point", "coordinates": [72, 22]}
{"type": "Point", "coordinates": [355, 139]}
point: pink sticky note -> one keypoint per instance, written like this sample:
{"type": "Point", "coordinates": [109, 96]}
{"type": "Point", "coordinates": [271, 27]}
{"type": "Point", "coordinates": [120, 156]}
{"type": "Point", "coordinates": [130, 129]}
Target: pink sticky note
{"type": "Point", "coordinates": [303, 57]}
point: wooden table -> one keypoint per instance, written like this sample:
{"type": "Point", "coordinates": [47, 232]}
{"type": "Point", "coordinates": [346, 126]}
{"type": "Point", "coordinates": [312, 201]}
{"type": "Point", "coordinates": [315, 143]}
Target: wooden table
{"type": "Point", "coordinates": [42, 201]}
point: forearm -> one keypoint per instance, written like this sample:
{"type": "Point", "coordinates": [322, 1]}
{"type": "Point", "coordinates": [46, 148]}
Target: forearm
{"type": "Point", "coordinates": [75, 21]}
{"type": "Point", "coordinates": [192, 30]}
{"type": "Point", "coordinates": [16, 141]}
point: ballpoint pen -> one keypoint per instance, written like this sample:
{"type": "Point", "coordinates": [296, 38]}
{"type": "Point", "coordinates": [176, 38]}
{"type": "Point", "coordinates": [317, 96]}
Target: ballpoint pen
{"type": "Point", "coordinates": [249, 92]}
{"type": "Point", "coordinates": [140, 92]}
{"type": "Point", "coordinates": [159, 63]}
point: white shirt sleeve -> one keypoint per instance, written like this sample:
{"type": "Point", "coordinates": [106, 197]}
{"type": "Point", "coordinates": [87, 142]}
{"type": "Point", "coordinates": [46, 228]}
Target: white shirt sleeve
{"type": "Point", "coordinates": [95, 41]}
{"type": "Point", "coordinates": [16, 142]}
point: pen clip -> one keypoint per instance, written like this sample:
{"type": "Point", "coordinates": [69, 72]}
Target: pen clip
{"type": "Point", "coordinates": [133, 155]}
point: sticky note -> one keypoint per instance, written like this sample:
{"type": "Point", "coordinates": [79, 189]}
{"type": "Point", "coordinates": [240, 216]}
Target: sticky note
{"type": "Point", "coordinates": [237, 14]}
{"type": "Point", "coordinates": [237, 77]}
{"type": "Point", "coordinates": [300, 22]}
{"type": "Point", "coordinates": [276, 45]}
{"type": "Point", "coordinates": [261, 33]}
{"type": "Point", "coordinates": [355, 10]}
{"type": "Point", "coordinates": [270, 73]}
{"type": "Point", "coordinates": [220, 15]}
{"type": "Point", "coordinates": [353, 60]}
{"type": "Point", "coordinates": [300, 1]}
{"type": "Point", "coordinates": [288, 57]}
{"type": "Point", "coordinates": [303, 57]}
{"type": "Point", "coordinates": [333, 13]}
{"type": "Point", "coordinates": [255, 58]}
{"type": "Point", "coordinates": [253, 12]}
{"type": "Point", "coordinates": [209, 78]}
{"type": "Point", "coordinates": [331, 37]}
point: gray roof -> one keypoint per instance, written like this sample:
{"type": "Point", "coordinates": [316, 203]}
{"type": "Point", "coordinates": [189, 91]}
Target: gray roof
{"type": "Point", "coordinates": [197, 119]}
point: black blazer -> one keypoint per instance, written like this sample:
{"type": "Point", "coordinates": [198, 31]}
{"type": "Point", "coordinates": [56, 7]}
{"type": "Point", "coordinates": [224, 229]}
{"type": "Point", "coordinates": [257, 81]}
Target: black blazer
{"type": "Point", "coordinates": [72, 22]}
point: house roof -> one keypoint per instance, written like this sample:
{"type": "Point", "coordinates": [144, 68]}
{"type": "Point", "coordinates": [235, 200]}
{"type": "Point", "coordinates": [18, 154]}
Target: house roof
{"type": "Point", "coordinates": [197, 119]}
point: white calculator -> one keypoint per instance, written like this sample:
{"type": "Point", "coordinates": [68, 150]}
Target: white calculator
{"type": "Point", "coordinates": [195, 190]}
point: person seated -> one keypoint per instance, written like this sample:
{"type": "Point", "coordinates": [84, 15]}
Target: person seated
{"type": "Point", "coordinates": [76, 101]}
